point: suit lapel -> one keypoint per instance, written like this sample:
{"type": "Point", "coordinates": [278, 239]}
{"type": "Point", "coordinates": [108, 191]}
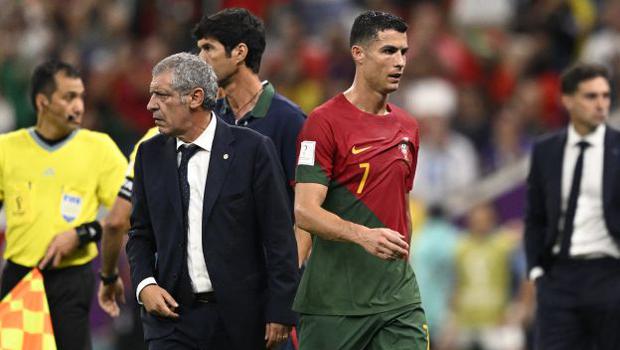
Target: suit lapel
{"type": "Point", "coordinates": [556, 159]}
{"type": "Point", "coordinates": [610, 162]}
{"type": "Point", "coordinates": [171, 177]}
{"type": "Point", "coordinates": [222, 154]}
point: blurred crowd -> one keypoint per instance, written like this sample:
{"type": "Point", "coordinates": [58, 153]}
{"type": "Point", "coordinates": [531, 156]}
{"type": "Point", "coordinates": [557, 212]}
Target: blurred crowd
{"type": "Point", "coordinates": [482, 78]}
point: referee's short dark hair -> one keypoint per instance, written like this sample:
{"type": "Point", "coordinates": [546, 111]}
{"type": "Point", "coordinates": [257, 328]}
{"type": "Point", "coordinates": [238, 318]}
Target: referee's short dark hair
{"type": "Point", "coordinates": [231, 27]}
{"type": "Point", "coordinates": [367, 25]}
{"type": "Point", "coordinates": [580, 72]}
{"type": "Point", "coordinates": [43, 78]}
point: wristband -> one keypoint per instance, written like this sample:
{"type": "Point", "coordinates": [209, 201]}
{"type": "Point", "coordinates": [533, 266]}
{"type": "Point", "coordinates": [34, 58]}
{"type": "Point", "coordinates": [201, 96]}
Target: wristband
{"type": "Point", "coordinates": [107, 280]}
{"type": "Point", "coordinates": [89, 232]}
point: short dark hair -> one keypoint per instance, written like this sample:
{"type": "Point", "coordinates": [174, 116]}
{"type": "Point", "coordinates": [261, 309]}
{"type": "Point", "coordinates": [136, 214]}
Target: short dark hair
{"type": "Point", "coordinates": [43, 78]}
{"type": "Point", "coordinates": [574, 75]}
{"type": "Point", "coordinates": [369, 23]}
{"type": "Point", "coordinates": [234, 26]}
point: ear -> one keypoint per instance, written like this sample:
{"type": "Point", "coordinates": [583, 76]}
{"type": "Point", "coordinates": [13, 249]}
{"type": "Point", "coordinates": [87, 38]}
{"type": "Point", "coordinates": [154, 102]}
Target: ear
{"type": "Point", "coordinates": [240, 52]}
{"type": "Point", "coordinates": [357, 52]}
{"type": "Point", "coordinates": [196, 98]}
{"type": "Point", "coordinates": [41, 101]}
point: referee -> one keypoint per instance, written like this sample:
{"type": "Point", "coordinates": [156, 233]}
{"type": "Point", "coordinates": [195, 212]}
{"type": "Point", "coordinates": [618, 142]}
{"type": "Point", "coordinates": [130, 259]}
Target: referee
{"type": "Point", "coordinates": [53, 178]}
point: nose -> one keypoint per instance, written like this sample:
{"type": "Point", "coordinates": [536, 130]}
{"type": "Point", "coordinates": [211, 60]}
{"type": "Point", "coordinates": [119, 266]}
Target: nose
{"type": "Point", "coordinates": [151, 106]}
{"type": "Point", "coordinates": [401, 60]}
{"type": "Point", "coordinates": [204, 56]}
{"type": "Point", "coordinates": [78, 107]}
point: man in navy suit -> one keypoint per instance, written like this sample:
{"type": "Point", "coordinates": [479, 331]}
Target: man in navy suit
{"type": "Point", "coordinates": [211, 246]}
{"type": "Point", "coordinates": [573, 220]}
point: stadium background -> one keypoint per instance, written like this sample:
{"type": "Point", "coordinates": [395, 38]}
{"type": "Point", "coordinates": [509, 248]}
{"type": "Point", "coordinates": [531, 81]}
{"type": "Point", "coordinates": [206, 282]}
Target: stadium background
{"type": "Point", "coordinates": [482, 77]}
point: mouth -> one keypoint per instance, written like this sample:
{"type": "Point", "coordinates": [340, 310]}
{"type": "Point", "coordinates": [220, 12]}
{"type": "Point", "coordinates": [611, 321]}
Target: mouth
{"type": "Point", "coordinates": [158, 121]}
{"type": "Point", "coordinates": [395, 76]}
{"type": "Point", "coordinates": [73, 119]}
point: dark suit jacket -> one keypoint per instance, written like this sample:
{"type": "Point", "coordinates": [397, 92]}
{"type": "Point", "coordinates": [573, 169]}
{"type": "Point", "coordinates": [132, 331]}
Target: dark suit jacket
{"type": "Point", "coordinates": [248, 238]}
{"type": "Point", "coordinates": [543, 207]}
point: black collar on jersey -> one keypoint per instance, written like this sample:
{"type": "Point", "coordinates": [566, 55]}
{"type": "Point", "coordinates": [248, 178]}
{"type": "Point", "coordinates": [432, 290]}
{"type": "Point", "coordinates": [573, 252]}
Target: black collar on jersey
{"type": "Point", "coordinates": [50, 145]}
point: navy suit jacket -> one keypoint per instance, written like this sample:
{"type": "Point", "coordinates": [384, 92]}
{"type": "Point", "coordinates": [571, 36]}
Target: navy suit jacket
{"type": "Point", "coordinates": [248, 240]}
{"type": "Point", "coordinates": [544, 199]}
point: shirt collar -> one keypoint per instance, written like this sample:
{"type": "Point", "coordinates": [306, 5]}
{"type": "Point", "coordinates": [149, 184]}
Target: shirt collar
{"type": "Point", "coordinates": [262, 105]}
{"type": "Point", "coordinates": [595, 138]}
{"type": "Point", "coordinates": [205, 140]}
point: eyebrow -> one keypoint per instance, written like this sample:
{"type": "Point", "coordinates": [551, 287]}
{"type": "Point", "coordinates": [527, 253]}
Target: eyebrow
{"type": "Point", "coordinates": [159, 90]}
{"type": "Point", "coordinates": [394, 47]}
{"type": "Point", "coordinates": [594, 94]}
{"type": "Point", "coordinates": [73, 93]}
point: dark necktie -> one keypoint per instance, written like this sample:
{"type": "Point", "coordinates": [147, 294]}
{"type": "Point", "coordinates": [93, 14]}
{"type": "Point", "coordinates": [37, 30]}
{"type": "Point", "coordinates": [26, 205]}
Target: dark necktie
{"type": "Point", "coordinates": [184, 293]}
{"type": "Point", "coordinates": [571, 208]}
{"type": "Point", "coordinates": [187, 151]}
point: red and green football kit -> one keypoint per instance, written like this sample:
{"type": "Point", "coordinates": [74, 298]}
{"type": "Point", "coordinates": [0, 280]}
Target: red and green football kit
{"type": "Point", "coordinates": [368, 164]}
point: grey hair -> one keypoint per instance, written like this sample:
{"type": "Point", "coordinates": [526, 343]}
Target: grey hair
{"type": "Point", "coordinates": [190, 72]}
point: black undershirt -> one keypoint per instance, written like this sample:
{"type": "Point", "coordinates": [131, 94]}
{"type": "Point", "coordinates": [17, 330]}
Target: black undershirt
{"type": "Point", "coordinates": [49, 142]}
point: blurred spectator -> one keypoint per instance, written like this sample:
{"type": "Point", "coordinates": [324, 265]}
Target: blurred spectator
{"type": "Point", "coordinates": [7, 116]}
{"type": "Point", "coordinates": [483, 294]}
{"type": "Point", "coordinates": [481, 13]}
{"type": "Point", "coordinates": [299, 66]}
{"type": "Point", "coordinates": [472, 117]}
{"type": "Point", "coordinates": [560, 25]}
{"type": "Point", "coordinates": [432, 256]}
{"type": "Point", "coordinates": [432, 41]}
{"type": "Point", "coordinates": [512, 61]}
{"type": "Point", "coordinates": [447, 161]}
{"type": "Point", "coordinates": [318, 15]}
{"type": "Point", "coordinates": [508, 142]}
{"type": "Point", "coordinates": [603, 45]}
{"type": "Point", "coordinates": [536, 102]}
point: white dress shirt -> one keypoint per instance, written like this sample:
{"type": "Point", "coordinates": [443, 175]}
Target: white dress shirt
{"type": "Point", "coordinates": [590, 236]}
{"type": "Point", "coordinates": [197, 170]}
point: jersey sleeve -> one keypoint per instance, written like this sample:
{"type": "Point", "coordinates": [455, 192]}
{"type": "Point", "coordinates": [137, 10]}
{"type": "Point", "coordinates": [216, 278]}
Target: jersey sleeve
{"type": "Point", "coordinates": [315, 151]}
{"type": "Point", "coordinates": [127, 187]}
{"type": "Point", "coordinates": [414, 162]}
{"type": "Point", "coordinates": [111, 172]}
{"type": "Point", "coordinates": [410, 124]}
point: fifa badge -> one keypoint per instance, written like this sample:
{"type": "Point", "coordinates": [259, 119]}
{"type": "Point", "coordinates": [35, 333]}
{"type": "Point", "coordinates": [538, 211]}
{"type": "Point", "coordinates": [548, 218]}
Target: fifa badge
{"type": "Point", "coordinates": [70, 205]}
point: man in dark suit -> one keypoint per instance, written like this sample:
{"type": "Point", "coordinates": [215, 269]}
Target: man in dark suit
{"type": "Point", "coordinates": [573, 220]}
{"type": "Point", "coordinates": [211, 245]}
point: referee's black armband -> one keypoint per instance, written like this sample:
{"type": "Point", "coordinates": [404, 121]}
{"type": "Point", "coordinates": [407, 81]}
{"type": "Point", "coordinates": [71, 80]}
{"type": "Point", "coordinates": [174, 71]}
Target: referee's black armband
{"type": "Point", "coordinates": [126, 189]}
{"type": "Point", "coordinates": [89, 232]}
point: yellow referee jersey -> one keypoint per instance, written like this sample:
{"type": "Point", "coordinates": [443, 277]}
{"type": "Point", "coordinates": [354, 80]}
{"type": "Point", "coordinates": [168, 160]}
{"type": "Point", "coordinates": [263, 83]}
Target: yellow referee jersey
{"type": "Point", "coordinates": [48, 190]}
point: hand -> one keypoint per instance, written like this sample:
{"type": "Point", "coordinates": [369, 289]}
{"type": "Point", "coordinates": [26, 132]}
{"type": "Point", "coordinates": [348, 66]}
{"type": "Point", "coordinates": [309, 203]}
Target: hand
{"type": "Point", "coordinates": [158, 302]}
{"type": "Point", "coordinates": [276, 334]}
{"type": "Point", "coordinates": [107, 296]}
{"type": "Point", "coordinates": [62, 245]}
{"type": "Point", "coordinates": [384, 243]}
